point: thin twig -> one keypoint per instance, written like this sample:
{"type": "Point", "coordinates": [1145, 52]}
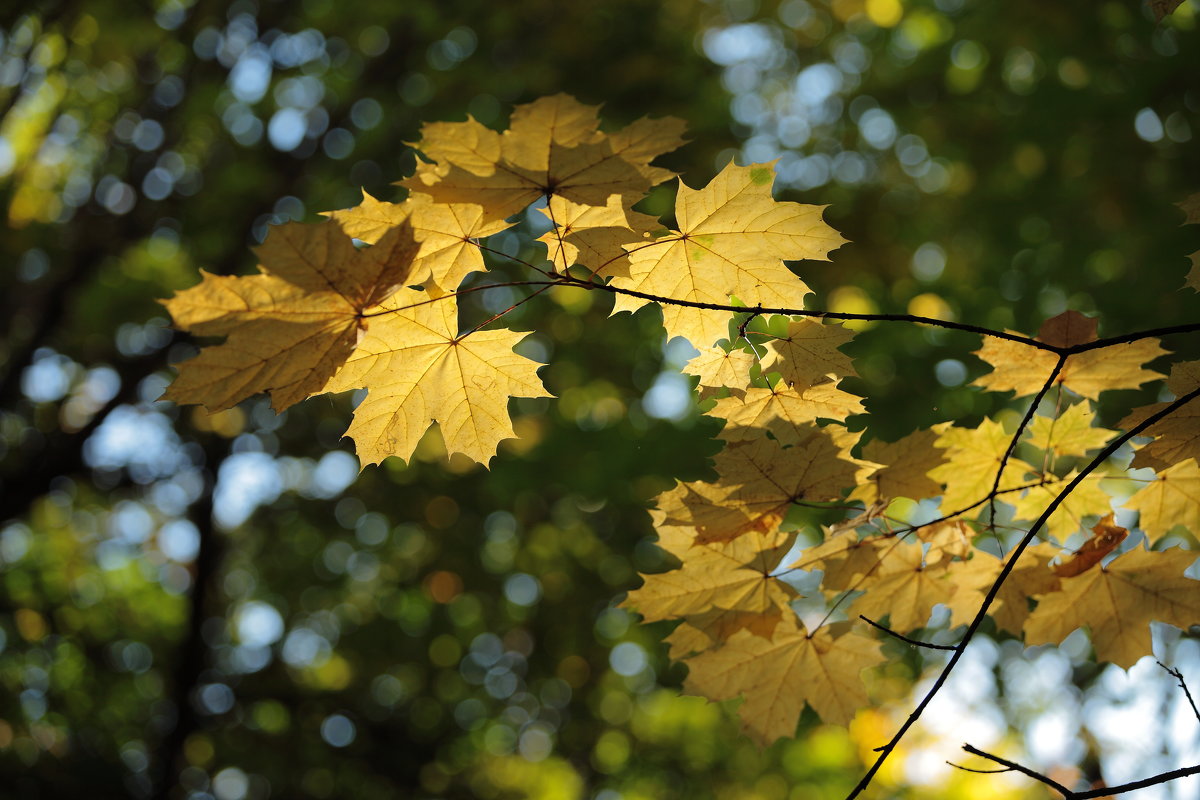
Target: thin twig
{"type": "Point", "coordinates": [903, 638]}
{"type": "Point", "coordinates": [1015, 767]}
{"type": "Point", "coordinates": [1177, 675]}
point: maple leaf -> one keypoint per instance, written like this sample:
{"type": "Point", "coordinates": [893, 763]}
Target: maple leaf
{"type": "Point", "coordinates": [292, 326]}
{"type": "Point", "coordinates": [418, 371]}
{"type": "Point", "coordinates": [732, 240]}
{"type": "Point", "coordinates": [593, 236]}
{"type": "Point", "coordinates": [447, 253]}
{"type": "Point", "coordinates": [785, 412]}
{"type": "Point", "coordinates": [1086, 499]}
{"type": "Point", "coordinates": [729, 576]}
{"type": "Point", "coordinates": [903, 587]}
{"type": "Point", "coordinates": [1023, 369]}
{"type": "Point", "coordinates": [1177, 436]}
{"type": "Point", "coordinates": [1117, 603]}
{"type": "Point", "coordinates": [809, 353]}
{"type": "Point", "coordinates": [777, 676]}
{"type": "Point", "coordinates": [553, 147]}
{"type": "Point", "coordinates": [949, 538]}
{"type": "Point", "coordinates": [972, 579]}
{"type": "Point", "coordinates": [1071, 433]}
{"type": "Point", "coordinates": [971, 462]}
{"type": "Point", "coordinates": [1171, 498]}
{"type": "Point", "coordinates": [844, 558]}
{"type": "Point", "coordinates": [1106, 535]}
{"type": "Point", "coordinates": [759, 482]}
{"type": "Point", "coordinates": [716, 367]}
{"type": "Point", "coordinates": [906, 466]}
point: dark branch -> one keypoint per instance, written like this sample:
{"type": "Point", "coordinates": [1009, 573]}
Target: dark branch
{"type": "Point", "coordinates": [1012, 766]}
{"type": "Point", "coordinates": [903, 638]}
{"type": "Point", "coordinates": [1103, 791]}
{"type": "Point", "coordinates": [1177, 675]}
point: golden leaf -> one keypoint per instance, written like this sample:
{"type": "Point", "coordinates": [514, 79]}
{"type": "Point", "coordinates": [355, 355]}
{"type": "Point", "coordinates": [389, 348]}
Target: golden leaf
{"type": "Point", "coordinates": [1086, 499]}
{"type": "Point", "coordinates": [1117, 604]}
{"type": "Point", "coordinates": [971, 462]}
{"type": "Point", "coordinates": [419, 371]}
{"type": "Point", "coordinates": [783, 411]}
{"type": "Point", "coordinates": [593, 236]}
{"type": "Point", "coordinates": [447, 253]}
{"type": "Point", "coordinates": [732, 240]}
{"type": "Point", "coordinates": [907, 463]}
{"type": "Point", "coordinates": [972, 580]}
{"type": "Point", "coordinates": [777, 676]}
{"type": "Point", "coordinates": [809, 353]}
{"type": "Point", "coordinates": [904, 588]}
{"type": "Point", "coordinates": [1176, 436]}
{"type": "Point", "coordinates": [292, 326]}
{"type": "Point", "coordinates": [718, 367]}
{"type": "Point", "coordinates": [1071, 433]}
{"type": "Point", "coordinates": [759, 481]}
{"type": "Point", "coordinates": [1172, 498]}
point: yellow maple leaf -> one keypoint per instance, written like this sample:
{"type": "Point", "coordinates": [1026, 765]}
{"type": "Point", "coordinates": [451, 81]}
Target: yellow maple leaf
{"type": "Point", "coordinates": [904, 588]}
{"type": "Point", "coordinates": [593, 236]}
{"type": "Point", "coordinates": [972, 579]}
{"type": "Point", "coordinates": [292, 326]}
{"type": "Point", "coordinates": [1117, 604]}
{"type": "Point", "coordinates": [971, 462]}
{"type": "Point", "coordinates": [1177, 436]}
{"type": "Point", "coordinates": [418, 370]}
{"type": "Point", "coordinates": [783, 411]}
{"type": "Point", "coordinates": [809, 353]}
{"type": "Point", "coordinates": [1171, 498]}
{"type": "Point", "coordinates": [553, 147]}
{"type": "Point", "coordinates": [716, 367]}
{"type": "Point", "coordinates": [729, 576]}
{"type": "Point", "coordinates": [447, 251]}
{"type": "Point", "coordinates": [906, 466]}
{"type": "Point", "coordinates": [759, 480]}
{"type": "Point", "coordinates": [732, 240]}
{"type": "Point", "coordinates": [1086, 499]}
{"type": "Point", "coordinates": [777, 676]}
{"type": "Point", "coordinates": [1023, 369]}
{"type": "Point", "coordinates": [1071, 433]}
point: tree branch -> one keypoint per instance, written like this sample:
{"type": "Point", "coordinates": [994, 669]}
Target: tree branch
{"type": "Point", "coordinates": [1177, 675]}
{"type": "Point", "coordinates": [903, 638]}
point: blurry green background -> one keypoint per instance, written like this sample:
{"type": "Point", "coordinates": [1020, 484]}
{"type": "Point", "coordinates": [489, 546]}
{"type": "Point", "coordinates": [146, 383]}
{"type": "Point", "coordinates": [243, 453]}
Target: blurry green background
{"type": "Point", "coordinates": [217, 607]}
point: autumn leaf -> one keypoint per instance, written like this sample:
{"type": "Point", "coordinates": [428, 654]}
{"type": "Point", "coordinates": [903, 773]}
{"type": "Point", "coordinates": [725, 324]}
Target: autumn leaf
{"type": "Point", "coordinates": [907, 463]}
{"type": "Point", "coordinates": [1176, 437]}
{"type": "Point", "coordinates": [1117, 603]}
{"type": "Point", "coordinates": [716, 367]}
{"type": "Point", "coordinates": [447, 251]}
{"type": "Point", "coordinates": [1023, 369]}
{"type": "Point", "coordinates": [844, 558]}
{"type": "Point", "coordinates": [1106, 535]}
{"type": "Point", "coordinates": [418, 371]}
{"type": "Point", "coordinates": [903, 588]}
{"type": "Point", "coordinates": [292, 326]}
{"type": "Point", "coordinates": [593, 236]}
{"type": "Point", "coordinates": [972, 579]}
{"type": "Point", "coordinates": [759, 481]}
{"type": "Point", "coordinates": [1071, 433]}
{"type": "Point", "coordinates": [809, 353]}
{"type": "Point", "coordinates": [730, 576]}
{"type": "Point", "coordinates": [783, 411]}
{"type": "Point", "coordinates": [1086, 499]}
{"type": "Point", "coordinates": [553, 147]}
{"type": "Point", "coordinates": [1171, 498]}
{"type": "Point", "coordinates": [972, 460]}
{"type": "Point", "coordinates": [776, 677]}
{"type": "Point", "coordinates": [732, 240]}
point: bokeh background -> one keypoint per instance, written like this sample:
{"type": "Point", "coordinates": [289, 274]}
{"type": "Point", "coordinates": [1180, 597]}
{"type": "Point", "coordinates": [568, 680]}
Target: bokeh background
{"type": "Point", "coordinates": [221, 607]}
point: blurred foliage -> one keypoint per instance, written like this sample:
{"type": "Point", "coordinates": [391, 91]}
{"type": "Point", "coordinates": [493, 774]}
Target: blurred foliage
{"type": "Point", "coordinates": [213, 606]}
